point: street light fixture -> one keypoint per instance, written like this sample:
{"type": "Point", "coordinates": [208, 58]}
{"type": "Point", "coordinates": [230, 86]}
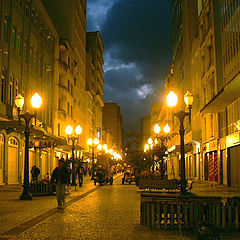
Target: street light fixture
{"type": "Point", "coordinates": [73, 138]}
{"type": "Point", "coordinates": [36, 102]}
{"type": "Point", "coordinates": [172, 101]}
{"type": "Point", "coordinates": [93, 144]}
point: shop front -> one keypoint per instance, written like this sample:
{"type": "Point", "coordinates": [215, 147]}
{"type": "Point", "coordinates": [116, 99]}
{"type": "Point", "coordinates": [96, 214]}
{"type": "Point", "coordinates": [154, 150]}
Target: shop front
{"type": "Point", "coordinates": [211, 162]}
{"type": "Point", "coordinates": [233, 159]}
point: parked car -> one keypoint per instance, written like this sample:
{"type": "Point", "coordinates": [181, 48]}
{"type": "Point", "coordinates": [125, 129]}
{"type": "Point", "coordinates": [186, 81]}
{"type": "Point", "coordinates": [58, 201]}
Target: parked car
{"type": "Point", "coordinates": [103, 172]}
{"type": "Point", "coordinates": [129, 176]}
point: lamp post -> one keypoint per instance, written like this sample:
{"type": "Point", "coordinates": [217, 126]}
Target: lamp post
{"type": "Point", "coordinates": [73, 138]}
{"type": "Point", "coordinates": [92, 144]}
{"type": "Point", "coordinates": [36, 102]}
{"type": "Point", "coordinates": [161, 147]}
{"type": "Point", "coordinates": [172, 102]}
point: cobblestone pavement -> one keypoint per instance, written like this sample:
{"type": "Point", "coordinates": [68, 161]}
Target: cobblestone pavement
{"type": "Point", "coordinates": [91, 213]}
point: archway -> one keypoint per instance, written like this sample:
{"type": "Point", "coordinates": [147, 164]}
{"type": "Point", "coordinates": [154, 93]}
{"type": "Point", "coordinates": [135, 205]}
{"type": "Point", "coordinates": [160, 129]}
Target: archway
{"type": "Point", "coordinates": [13, 163]}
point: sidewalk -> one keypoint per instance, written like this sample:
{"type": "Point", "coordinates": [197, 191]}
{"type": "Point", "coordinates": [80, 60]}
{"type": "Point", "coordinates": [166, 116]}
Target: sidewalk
{"type": "Point", "coordinates": [214, 189]}
{"type": "Point", "coordinates": [17, 214]}
{"type": "Point", "coordinates": [14, 212]}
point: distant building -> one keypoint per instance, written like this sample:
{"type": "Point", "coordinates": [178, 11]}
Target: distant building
{"type": "Point", "coordinates": [112, 122]}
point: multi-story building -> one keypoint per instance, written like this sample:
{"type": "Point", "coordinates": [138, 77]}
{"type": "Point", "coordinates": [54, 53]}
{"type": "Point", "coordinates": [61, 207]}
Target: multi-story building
{"type": "Point", "coordinates": [185, 30]}
{"type": "Point", "coordinates": [221, 93]}
{"type": "Point", "coordinates": [94, 82]}
{"type": "Point", "coordinates": [28, 48]}
{"type": "Point", "coordinates": [206, 62]}
{"type": "Point", "coordinates": [112, 122]}
{"type": "Point", "coordinates": [43, 49]}
{"type": "Point", "coordinates": [70, 105]}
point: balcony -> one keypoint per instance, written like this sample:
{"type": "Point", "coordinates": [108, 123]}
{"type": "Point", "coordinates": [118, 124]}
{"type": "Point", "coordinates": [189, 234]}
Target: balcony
{"type": "Point", "coordinates": [228, 94]}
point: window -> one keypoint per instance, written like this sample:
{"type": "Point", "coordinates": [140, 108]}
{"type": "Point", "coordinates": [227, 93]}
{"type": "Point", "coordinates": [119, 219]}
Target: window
{"type": "Point", "coordinates": [59, 104]}
{"type": "Point", "coordinates": [18, 47]}
{"type": "Point", "coordinates": [5, 28]}
{"type": "Point", "coordinates": [59, 129]}
{"type": "Point", "coordinates": [68, 85]}
{"type": "Point", "coordinates": [71, 110]}
{"type": "Point", "coordinates": [60, 55]}
{"type": "Point", "coordinates": [68, 108]}
{"type": "Point", "coordinates": [25, 51]}
{"type": "Point", "coordinates": [3, 85]}
{"type": "Point", "coordinates": [14, 33]}
{"type": "Point", "coordinates": [212, 125]}
{"type": "Point", "coordinates": [11, 90]}
{"type": "Point", "coordinates": [71, 89]}
{"type": "Point", "coordinates": [16, 88]}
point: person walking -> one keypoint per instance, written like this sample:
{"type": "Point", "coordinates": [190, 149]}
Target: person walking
{"type": "Point", "coordinates": [60, 176]}
{"type": "Point", "coordinates": [80, 173]}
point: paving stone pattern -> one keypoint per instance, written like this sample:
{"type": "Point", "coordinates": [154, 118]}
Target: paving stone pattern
{"type": "Point", "coordinates": [91, 213]}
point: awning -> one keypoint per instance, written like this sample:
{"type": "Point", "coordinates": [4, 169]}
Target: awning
{"type": "Point", "coordinates": [39, 137]}
{"type": "Point", "coordinates": [228, 94]}
{"type": "Point", "coordinates": [177, 149]}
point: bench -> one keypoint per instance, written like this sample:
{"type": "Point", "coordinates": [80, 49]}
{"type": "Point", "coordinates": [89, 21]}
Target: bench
{"type": "Point", "coordinates": [158, 184]}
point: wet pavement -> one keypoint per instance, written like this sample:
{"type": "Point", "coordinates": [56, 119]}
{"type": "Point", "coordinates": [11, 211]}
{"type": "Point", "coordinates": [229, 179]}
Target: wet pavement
{"type": "Point", "coordinates": [91, 213]}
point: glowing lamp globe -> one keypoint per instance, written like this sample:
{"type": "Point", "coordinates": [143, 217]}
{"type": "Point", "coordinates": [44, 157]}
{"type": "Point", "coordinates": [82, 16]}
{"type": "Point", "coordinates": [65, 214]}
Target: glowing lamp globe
{"type": "Point", "coordinates": [89, 141]}
{"type": "Point", "coordinates": [99, 147]}
{"type": "Point", "coordinates": [96, 141]}
{"type": "Point", "coordinates": [157, 129]}
{"type": "Point", "coordinates": [166, 128]}
{"type": "Point", "coordinates": [104, 146]}
{"type": "Point", "coordinates": [172, 99]}
{"type": "Point", "coordinates": [36, 101]}
{"type": "Point", "coordinates": [69, 130]}
{"type": "Point", "coordinates": [150, 141]}
{"type": "Point", "coordinates": [188, 98]}
{"type": "Point", "coordinates": [78, 130]}
{"type": "Point", "coordinates": [19, 101]}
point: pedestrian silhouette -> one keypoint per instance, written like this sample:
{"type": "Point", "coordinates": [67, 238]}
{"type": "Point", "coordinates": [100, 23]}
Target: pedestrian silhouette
{"type": "Point", "coordinates": [60, 177]}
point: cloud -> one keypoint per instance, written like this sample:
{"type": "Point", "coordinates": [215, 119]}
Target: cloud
{"type": "Point", "coordinates": [96, 12]}
{"type": "Point", "coordinates": [137, 40]}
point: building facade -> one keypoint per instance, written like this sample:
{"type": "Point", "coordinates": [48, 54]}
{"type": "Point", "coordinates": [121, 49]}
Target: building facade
{"type": "Point", "coordinates": [112, 122]}
{"type": "Point", "coordinates": [94, 82]}
{"type": "Point", "coordinates": [43, 48]}
{"type": "Point", "coordinates": [206, 62]}
{"type": "Point", "coordinates": [70, 105]}
{"type": "Point", "coordinates": [29, 43]}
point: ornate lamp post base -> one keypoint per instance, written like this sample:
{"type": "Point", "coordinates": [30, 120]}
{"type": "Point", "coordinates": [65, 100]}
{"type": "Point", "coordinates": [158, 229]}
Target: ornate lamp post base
{"type": "Point", "coordinates": [25, 197]}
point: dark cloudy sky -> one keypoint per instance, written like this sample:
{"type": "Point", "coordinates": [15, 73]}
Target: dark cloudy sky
{"type": "Point", "coordinates": [138, 50]}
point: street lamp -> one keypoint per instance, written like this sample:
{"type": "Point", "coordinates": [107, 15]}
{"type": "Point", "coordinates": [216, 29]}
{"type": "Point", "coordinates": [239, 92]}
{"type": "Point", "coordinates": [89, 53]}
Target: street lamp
{"type": "Point", "coordinates": [36, 102]}
{"type": "Point", "coordinates": [161, 148]}
{"type": "Point", "coordinates": [93, 144]}
{"type": "Point", "coordinates": [73, 138]}
{"type": "Point", "coordinates": [172, 101]}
